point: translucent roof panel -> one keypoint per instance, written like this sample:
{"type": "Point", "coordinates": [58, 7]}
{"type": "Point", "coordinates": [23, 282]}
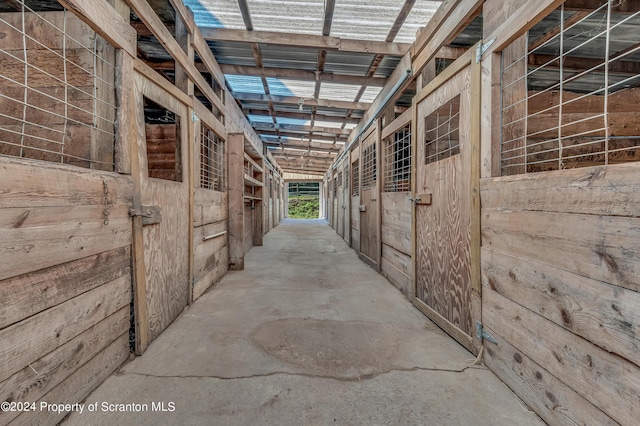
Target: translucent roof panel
{"type": "Point", "coordinates": [335, 124]}
{"type": "Point", "coordinates": [295, 121]}
{"type": "Point", "coordinates": [338, 92]}
{"type": "Point", "coordinates": [370, 20]}
{"type": "Point", "coordinates": [420, 14]}
{"type": "Point", "coordinates": [292, 16]}
{"type": "Point", "coordinates": [285, 87]}
{"type": "Point", "coordinates": [216, 13]}
{"type": "Point", "coordinates": [370, 94]}
{"type": "Point", "coordinates": [260, 118]}
{"type": "Point", "coordinates": [244, 84]}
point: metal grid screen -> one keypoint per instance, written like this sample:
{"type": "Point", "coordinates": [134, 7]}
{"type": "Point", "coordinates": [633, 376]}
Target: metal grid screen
{"type": "Point", "coordinates": [570, 91]}
{"type": "Point", "coordinates": [212, 160]}
{"type": "Point", "coordinates": [57, 89]}
{"type": "Point", "coordinates": [355, 170]}
{"type": "Point", "coordinates": [369, 166]}
{"type": "Point", "coordinates": [442, 136]}
{"type": "Point", "coordinates": [397, 161]}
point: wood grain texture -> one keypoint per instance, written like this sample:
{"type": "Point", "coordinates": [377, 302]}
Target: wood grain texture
{"type": "Point", "coordinates": [29, 340]}
{"type": "Point", "coordinates": [166, 244]}
{"type": "Point", "coordinates": [609, 191]}
{"type": "Point", "coordinates": [210, 278]}
{"type": "Point", "coordinates": [29, 294]}
{"type": "Point", "coordinates": [604, 314]}
{"type": "Point", "coordinates": [58, 365]}
{"type": "Point", "coordinates": [443, 229]}
{"type": "Point", "coordinates": [208, 254]}
{"type": "Point", "coordinates": [551, 399]}
{"type": "Point", "coordinates": [80, 384]}
{"type": "Point", "coordinates": [606, 380]}
{"type": "Point", "coordinates": [396, 221]}
{"type": "Point", "coordinates": [210, 206]}
{"type": "Point", "coordinates": [603, 248]}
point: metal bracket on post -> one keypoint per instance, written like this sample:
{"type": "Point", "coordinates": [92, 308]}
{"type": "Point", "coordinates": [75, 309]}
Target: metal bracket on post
{"type": "Point", "coordinates": [481, 334]}
{"type": "Point", "coordinates": [482, 47]}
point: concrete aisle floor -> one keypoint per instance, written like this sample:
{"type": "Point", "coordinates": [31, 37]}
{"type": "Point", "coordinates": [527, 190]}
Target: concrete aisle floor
{"type": "Point", "coordinates": [306, 335]}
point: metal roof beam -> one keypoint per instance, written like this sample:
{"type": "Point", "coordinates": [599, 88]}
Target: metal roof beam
{"type": "Point", "coordinates": [329, 7]}
{"type": "Point", "coordinates": [306, 40]}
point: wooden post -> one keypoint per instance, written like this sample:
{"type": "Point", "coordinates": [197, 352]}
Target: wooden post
{"type": "Point", "coordinates": [191, 141]}
{"type": "Point", "coordinates": [379, 183]}
{"type": "Point", "coordinates": [235, 143]}
{"type": "Point", "coordinates": [125, 63]}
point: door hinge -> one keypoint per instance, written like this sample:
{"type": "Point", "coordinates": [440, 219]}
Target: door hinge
{"type": "Point", "coordinates": [482, 334]}
{"type": "Point", "coordinates": [482, 47]}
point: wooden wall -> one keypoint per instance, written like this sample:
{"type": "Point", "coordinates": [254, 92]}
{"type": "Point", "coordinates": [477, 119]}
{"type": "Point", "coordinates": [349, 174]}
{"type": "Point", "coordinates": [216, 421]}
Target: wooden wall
{"type": "Point", "coordinates": [560, 268]}
{"type": "Point", "coordinates": [396, 239]}
{"type": "Point", "coordinates": [210, 253]}
{"type": "Point", "coordinates": [65, 282]}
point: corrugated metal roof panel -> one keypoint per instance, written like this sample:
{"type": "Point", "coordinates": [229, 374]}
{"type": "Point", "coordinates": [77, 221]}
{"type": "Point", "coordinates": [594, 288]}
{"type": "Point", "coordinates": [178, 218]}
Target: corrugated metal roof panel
{"type": "Point", "coordinates": [232, 53]}
{"type": "Point", "coordinates": [421, 13]}
{"type": "Point", "coordinates": [370, 94]}
{"type": "Point", "coordinates": [370, 20]}
{"type": "Point", "coordinates": [348, 62]}
{"type": "Point", "coordinates": [298, 16]}
{"type": "Point", "coordinates": [289, 57]}
{"type": "Point", "coordinates": [338, 92]}
{"type": "Point", "coordinates": [285, 87]}
{"type": "Point", "coordinates": [244, 84]}
{"type": "Point", "coordinates": [216, 13]}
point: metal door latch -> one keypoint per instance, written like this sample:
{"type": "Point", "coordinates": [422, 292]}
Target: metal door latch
{"type": "Point", "coordinates": [482, 334]}
{"type": "Point", "coordinates": [150, 214]}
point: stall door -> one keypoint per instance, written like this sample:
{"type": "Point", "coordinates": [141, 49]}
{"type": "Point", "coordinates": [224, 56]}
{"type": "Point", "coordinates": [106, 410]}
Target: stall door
{"type": "Point", "coordinates": [163, 182]}
{"type": "Point", "coordinates": [346, 196]}
{"type": "Point", "coordinates": [339, 203]}
{"type": "Point", "coordinates": [443, 207]}
{"type": "Point", "coordinates": [369, 196]}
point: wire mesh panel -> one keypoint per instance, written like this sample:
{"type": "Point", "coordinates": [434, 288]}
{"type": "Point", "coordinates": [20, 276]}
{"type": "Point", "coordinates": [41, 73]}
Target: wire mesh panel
{"type": "Point", "coordinates": [57, 88]}
{"type": "Point", "coordinates": [397, 161]}
{"type": "Point", "coordinates": [355, 179]}
{"type": "Point", "coordinates": [570, 90]}
{"type": "Point", "coordinates": [212, 160]}
{"type": "Point", "coordinates": [369, 166]}
{"type": "Point", "coordinates": [442, 138]}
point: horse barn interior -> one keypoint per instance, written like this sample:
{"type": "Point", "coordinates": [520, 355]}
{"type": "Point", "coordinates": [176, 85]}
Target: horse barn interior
{"type": "Point", "coordinates": [480, 157]}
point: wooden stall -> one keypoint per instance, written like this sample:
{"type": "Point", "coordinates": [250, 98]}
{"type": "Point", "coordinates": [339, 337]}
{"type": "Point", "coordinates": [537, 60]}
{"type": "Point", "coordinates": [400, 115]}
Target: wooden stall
{"type": "Point", "coordinates": [446, 216]}
{"type": "Point", "coordinates": [396, 204]}
{"type": "Point", "coordinates": [559, 211]}
{"type": "Point", "coordinates": [369, 206]}
{"type": "Point", "coordinates": [65, 273]}
{"type": "Point", "coordinates": [354, 159]}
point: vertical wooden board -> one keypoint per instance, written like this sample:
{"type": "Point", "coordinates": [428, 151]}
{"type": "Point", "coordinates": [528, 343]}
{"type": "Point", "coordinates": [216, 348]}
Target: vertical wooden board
{"type": "Point", "coordinates": [56, 366]}
{"type": "Point", "coordinates": [206, 281]}
{"type": "Point", "coordinates": [80, 384]}
{"type": "Point", "coordinates": [443, 229]}
{"type": "Point", "coordinates": [606, 380]}
{"type": "Point", "coordinates": [235, 157]}
{"type": "Point", "coordinates": [605, 314]}
{"type": "Point", "coordinates": [34, 337]}
{"type": "Point", "coordinates": [26, 295]}
{"type": "Point", "coordinates": [248, 228]}
{"type": "Point", "coordinates": [551, 399]}
{"type": "Point", "coordinates": [166, 244]}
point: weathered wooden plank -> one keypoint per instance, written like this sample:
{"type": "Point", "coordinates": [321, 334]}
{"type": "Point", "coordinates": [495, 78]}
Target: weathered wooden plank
{"type": "Point", "coordinates": [495, 12]}
{"type": "Point", "coordinates": [105, 21]}
{"type": "Point", "coordinates": [210, 278]}
{"type": "Point", "coordinates": [398, 239]}
{"type": "Point", "coordinates": [80, 384]}
{"type": "Point", "coordinates": [401, 261]}
{"type": "Point", "coordinates": [401, 281]}
{"type": "Point", "coordinates": [28, 184]}
{"type": "Point", "coordinates": [551, 399]}
{"type": "Point", "coordinates": [606, 380]}
{"type": "Point", "coordinates": [604, 314]}
{"type": "Point", "coordinates": [235, 143]}
{"type": "Point", "coordinates": [610, 191]}
{"type": "Point", "coordinates": [603, 248]}
{"type": "Point", "coordinates": [210, 209]}
{"type": "Point", "coordinates": [29, 249]}
{"type": "Point", "coordinates": [26, 295]}
{"type": "Point", "coordinates": [28, 340]}
{"type": "Point", "coordinates": [207, 253]}
{"type": "Point", "coordinates": [53, 368]}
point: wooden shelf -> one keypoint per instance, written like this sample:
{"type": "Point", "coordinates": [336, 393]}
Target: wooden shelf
{"type": "Point", "coordinates": [251, 197]}
{"type": "Point", "coordinates": [255, 165]}
{"type": "Point", "coordinates": [248, 180]}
